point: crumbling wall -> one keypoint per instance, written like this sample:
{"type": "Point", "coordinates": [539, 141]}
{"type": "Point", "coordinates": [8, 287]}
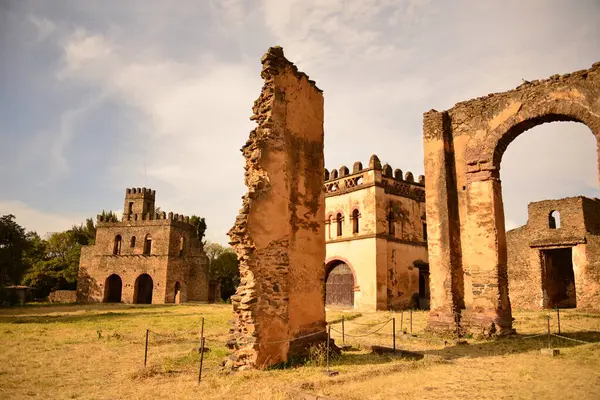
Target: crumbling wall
{"type": "Point", "coordinates": [463, 149]}
{"type": "Point", "coordinates": [278, 236]}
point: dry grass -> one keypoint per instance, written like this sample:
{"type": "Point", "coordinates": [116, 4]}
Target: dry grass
{"type": "Point", "coordinates": [96, 352]}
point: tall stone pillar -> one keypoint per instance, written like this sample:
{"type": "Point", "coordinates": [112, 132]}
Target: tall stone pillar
{"type": "Point", "coordinates": [443, 226]}
{"type": "Point", "coordinates": [278, 236]}
{"type": "Point", "coordinates": [490, 310]}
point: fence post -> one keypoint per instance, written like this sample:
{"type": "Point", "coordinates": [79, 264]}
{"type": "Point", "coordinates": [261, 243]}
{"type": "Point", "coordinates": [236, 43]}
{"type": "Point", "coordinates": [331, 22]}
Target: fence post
{"type": "Point", "coordinates": [343, 332]}
{"type": "Point", "coordinates": [411, 321]}
{"type": "Point", "coordinates": [558, 318]}
{"type": "Point", "coordinates": [402, 320]}
{"type": "Point", "coordinates": [549, 344]}
{"type": "Point", "coordinates": [328, 340]}
{"type": "Point", "coordinates": [146, 349]}
{"type": "Point", "coordinates": [201, 358]}
{"type": "Point", "coordinates": [394, 332]}
{"type": "Point", "coordinates": [202, 330]}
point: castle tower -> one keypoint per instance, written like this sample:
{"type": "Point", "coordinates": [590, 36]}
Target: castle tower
{"type": "Point", "coordinates": [139, 201]}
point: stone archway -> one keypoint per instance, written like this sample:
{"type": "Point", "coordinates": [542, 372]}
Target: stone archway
{"type": "Point", "coordinates": [339, 284]}
{"type": "Point", "coordinates": [113, 288]}
{"type": "Point", "coordinates": [466, 234]}
{"type": "Point", "coordinates": [143, 289]}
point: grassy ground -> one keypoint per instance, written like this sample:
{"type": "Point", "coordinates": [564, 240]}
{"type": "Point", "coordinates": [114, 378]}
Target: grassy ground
{"type": "Point", "coordinates": [97, 352]}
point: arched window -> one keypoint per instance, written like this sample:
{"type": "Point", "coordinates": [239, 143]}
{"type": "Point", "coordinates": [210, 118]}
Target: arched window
{"type": "Point", "coordinates": [424, 232]}
{"type": "Point", "coordinates": [328, 223]}
{"type": "Point", "coordinates": [117, 245]}
{"type": "Point", "coordinates": [554, 219]}
{"type": "Point", "coordinates": [391, 227]}
{"type": "Point", "coordinates": [132, 242]}
{"type": "Point", "coordinates": [339, 219]}
{"type": "Point", "coordinates": [148, 245]}
{"type": "Point", "coordinates": [355, 216]}
{"type": "Point", "coordinates": [181, 246]}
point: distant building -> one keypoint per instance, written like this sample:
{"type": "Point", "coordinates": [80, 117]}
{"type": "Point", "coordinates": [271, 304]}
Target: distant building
{"type": "Point", "coordinates": [554, 260]}
{"type": "Point", "coordinates": [147, 257]}
{"type": "Point", "coordinates": [376, 238]}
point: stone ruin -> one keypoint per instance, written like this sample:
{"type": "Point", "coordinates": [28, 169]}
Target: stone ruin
{"type": "Point", "coordinates": [278, 235]}
{"type": "Point", "coordinates": [463, 149]}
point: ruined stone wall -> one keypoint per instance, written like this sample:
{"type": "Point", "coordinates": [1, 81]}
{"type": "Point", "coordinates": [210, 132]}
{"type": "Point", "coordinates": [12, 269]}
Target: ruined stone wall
{"type": "Point", "coordinates": [463, 150]}
{"type": "Point", "coordinates": [63, 296]}
{"type": "Point", "coordinates": [524, 270]}
{"type": "Point", "coordinates": [402, 275]}
{"type": "Point", "coordinates": [279, 236]}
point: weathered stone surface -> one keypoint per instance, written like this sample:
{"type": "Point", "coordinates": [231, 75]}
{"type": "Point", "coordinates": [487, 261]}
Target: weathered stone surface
{"type": "Point", "coordinates": [463, 149]}
{"type": "Point", "coordinates": [278, 236]}
{"type": "Point", "coordinates": [175, 260]}
{"type": "Point", "coordinates": [374, 224]}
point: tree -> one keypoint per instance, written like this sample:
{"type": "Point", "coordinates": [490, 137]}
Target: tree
{"type": "Point", "coordinates": [223, 266]}
{"type": "Point", "coordinates": [200, 225]}
{"type": "Point", "coordinates": [85, 234]}
{"type": "Point", "coordinates": [13, 242]}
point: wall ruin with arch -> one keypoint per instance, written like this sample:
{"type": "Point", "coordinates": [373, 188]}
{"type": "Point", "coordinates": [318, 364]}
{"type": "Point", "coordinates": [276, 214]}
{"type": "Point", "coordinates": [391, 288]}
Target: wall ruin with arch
{"type": "Point", "coordinates": [463, 149]}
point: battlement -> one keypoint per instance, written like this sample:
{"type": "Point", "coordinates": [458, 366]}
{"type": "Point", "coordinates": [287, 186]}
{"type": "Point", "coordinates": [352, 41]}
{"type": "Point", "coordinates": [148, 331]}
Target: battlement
{"type": "Point", "coordinates": [147, 217]}
{"type": "Point", "coordinates": [140, 192]}
{"type": "Point", "coordinates": [338, 181]}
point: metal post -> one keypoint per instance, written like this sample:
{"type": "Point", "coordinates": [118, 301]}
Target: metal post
{"type": "Point", "coordinates": [146, 349]}
{"type": "Point", "coordinates": [549, 345]}
{"type": "Point", "coordinates": [394, 332]}
{"type": "Point", "coordinates": [202, 330]}
{"type": "Point", "coordinates": [343, 332]}
{"type": "Point", "coordinates": [201, 359]}
{"type": "Point", "coordinates": [558, 318]}
{"type": "Point", "coordinates": [402, 321]}
{"type": "Point", "coordinates": [328, 339]}
{"type": "Point", "coordinates": [411, 321]}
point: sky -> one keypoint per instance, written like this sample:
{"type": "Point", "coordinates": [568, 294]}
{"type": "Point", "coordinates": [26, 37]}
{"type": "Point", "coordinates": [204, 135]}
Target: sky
{"type": "Point", "coordinates": [99, 96]}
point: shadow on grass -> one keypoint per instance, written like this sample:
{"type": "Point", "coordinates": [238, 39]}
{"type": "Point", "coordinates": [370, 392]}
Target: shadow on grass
{"type": "Point", "coordinates": [67, 318]}
{"type": "Point", "coordinates": [513, 344]}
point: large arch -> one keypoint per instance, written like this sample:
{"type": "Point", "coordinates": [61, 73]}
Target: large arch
{"type": "Point", "coordinates": [465, 214]}
{"type": "Point", "coordinates": [143, 289]}
{"type": "Point", "coordinates": [113, 289]}
{"type": "Point", "coordinates": [340, 282]}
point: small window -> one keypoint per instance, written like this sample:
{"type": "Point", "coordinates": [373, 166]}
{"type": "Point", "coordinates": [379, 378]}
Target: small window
{"type": "Point", "coordinates": [355, 216]}
{"type": "Point", "coordinates": [148, 245]}
{"type": "Point", "coordinates": [130, 209]}
{"type": "Point", "coordinates": [424, 232]}
{"type": "Point", "coordinates": [554, 219]}
{"type": "Point", "coordinates": [181, 246]}
{"type": "Point", "coordinates": [132, 242]}
{"type": "Point", "coordinates": [339, 219]}
{"type": "Point", "coordinates": [117, 245]}
{"type": "Point", "coordinates": [391, 227]}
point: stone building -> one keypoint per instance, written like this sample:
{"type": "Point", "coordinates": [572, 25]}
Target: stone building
{"type": "Point", "coordinates": [147, 257]}
{"type": "Point", "coordinates": [376, 238]}
{"type": "Point", "coordinates": [554, 259]}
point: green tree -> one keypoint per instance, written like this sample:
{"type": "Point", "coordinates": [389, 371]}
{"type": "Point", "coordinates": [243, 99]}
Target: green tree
{"type": "Point", "coordinates": [85, 234]}
{"type": "Point", "coordinates": [200, 225]}
{"type": "Point", "coordinates": [13, 242]}
{"type": "Point", "coordinates": [223, 266]}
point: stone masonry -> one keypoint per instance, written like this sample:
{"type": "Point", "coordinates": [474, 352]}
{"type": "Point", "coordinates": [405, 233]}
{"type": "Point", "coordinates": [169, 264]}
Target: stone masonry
{"type": "Point", "coordinates": [538, 277]}
{"type": "Point", "coordinates": [147, 257]}
{"type": "Point", "coordinates": [278, 236]}
{"type": "Point", "coordinates": [463, 149]}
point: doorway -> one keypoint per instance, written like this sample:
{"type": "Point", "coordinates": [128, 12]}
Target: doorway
{"type": "Point", "coordinates": [558, 278]}
{"type": "Point", "coordinates": [143, 289]}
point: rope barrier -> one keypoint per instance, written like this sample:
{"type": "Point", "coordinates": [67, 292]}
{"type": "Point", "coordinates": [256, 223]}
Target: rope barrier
{"type": "Point", "coordinates": [571, 339]}
{"type": "Point", "coordinates": [359, 336]}
{"type": "Point", "coordinates": [370, 324]}
{"type": "Point", "coordinates": [294, 339]}
{"type": "Point", "coordinates": [579, 328]}
{"type": "Point", "coordinates": [172, 335]}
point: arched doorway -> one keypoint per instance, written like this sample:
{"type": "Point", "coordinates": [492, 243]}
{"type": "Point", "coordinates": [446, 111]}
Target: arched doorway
{"type": "Point", "coordinates": [113, 287]}
{"type": "Point", "coordinates": [143, 289]}
{"type": "Point", "coordinates": [177, 295]}
{"type": "Point", "coordinates": [463, 147]}
{"type": "Point", "coordinates": [339, 285]}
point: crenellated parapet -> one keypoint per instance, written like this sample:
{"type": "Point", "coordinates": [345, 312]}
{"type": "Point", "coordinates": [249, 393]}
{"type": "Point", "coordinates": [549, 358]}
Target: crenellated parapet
{"type": "Point", "coordinates": [339, 181]}
{"type": "Point", "coordinates": [160, 216]}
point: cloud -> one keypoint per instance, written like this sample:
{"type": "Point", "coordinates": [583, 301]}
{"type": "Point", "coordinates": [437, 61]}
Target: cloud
{"type": "Point", "coordinates": [40, 221]}
{"type": "Point", "coordinates": [44, 26]}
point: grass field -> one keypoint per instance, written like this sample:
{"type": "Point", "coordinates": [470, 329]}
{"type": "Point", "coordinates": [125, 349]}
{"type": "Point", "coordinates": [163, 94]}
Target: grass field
{"type": "Point", "coordinates": [97, 352]}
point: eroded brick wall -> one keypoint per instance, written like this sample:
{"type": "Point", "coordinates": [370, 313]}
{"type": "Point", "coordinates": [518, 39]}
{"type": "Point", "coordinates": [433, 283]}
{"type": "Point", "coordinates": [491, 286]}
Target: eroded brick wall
{"type": "Point", "coordinates": [278, 235]}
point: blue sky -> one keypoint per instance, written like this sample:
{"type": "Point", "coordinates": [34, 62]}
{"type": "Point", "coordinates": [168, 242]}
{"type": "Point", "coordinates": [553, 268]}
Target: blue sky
{"type": "Point", "coordinates": [98, 96]}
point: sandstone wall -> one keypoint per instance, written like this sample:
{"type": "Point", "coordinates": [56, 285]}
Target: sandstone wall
{"type": "Point", "coordinates": [279, 236]}
{"type": "Point", "coordinates": [463, 151]}
{"type": "Point", "coordinates": [63, 296]}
